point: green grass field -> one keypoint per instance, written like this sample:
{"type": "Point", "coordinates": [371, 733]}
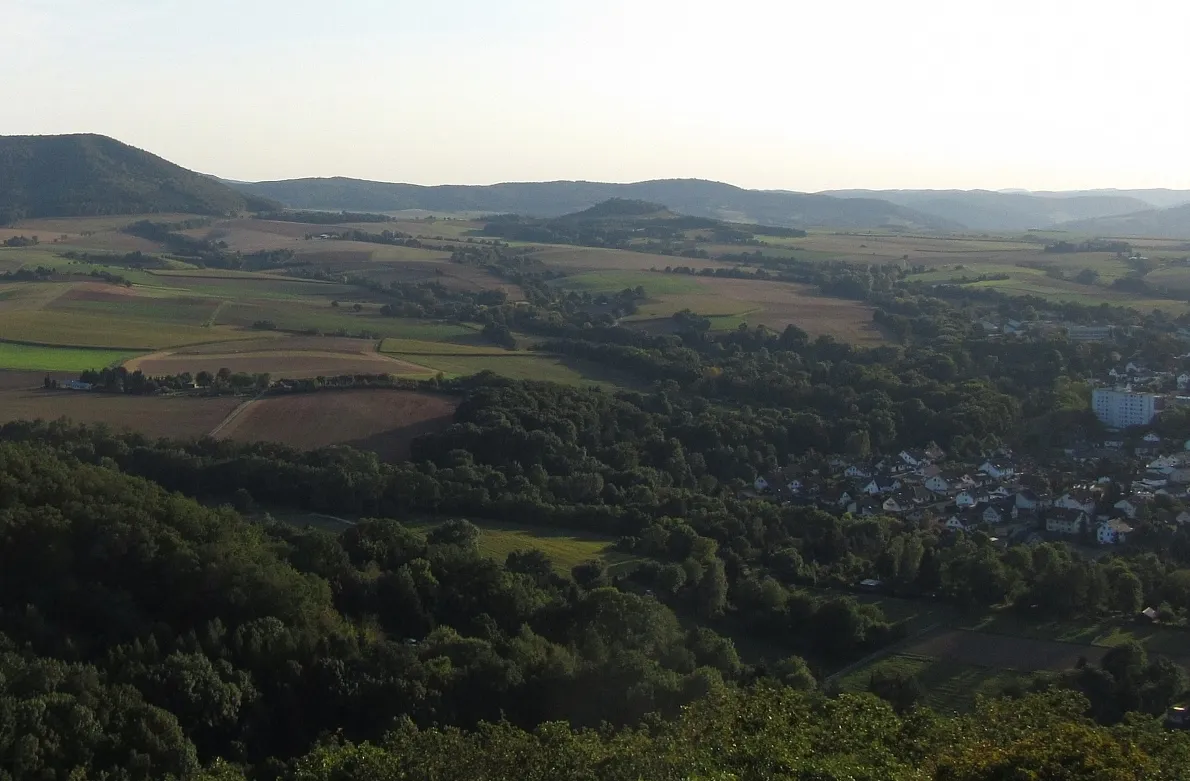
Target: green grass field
{"type": "Point", "coordinates": [566, 548]}
{"type": "Point", "coordinates": [62, 359]}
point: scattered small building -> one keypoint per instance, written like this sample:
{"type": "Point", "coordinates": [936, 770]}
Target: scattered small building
{"type": "Point", "coordinates": [1113, 532]}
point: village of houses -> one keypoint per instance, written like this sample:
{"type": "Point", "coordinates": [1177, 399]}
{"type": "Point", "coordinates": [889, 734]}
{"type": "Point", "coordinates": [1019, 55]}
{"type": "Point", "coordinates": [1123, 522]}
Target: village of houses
{"type": "Point", "coordinates": [926, 487]}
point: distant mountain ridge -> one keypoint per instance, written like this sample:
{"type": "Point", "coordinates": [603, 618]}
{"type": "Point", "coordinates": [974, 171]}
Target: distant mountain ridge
{"type": "Point", "coordinates": [85, 175]}
{"type": "Point", "coordinates": [1171, 223]}
{"type": "Point", "coordinates": [1005, 211]}
{"type": "Point", "coordinates": [694, 197]}
{"type": "Point", "coordinates": [1160, 197]}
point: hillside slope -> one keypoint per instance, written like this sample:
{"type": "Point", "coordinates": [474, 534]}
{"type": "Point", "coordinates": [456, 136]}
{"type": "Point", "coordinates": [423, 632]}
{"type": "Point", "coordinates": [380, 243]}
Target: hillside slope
{"type": "Point", "coordinates": [1173, 223]}
{"type": "Point", "coordinates": [82, 175]}
{"type": "Point", "coordinates": [695, 197]}
{"type": "Point", "coordinates": [997, 211]}
{"type": "Point", "coordinates": [1159, 197]}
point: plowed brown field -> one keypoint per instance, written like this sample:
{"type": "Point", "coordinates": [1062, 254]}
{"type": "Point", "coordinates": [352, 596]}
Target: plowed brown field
{"type": "Point", "coordinates": [154, 416]}
{"type": "Point", "coordinates": [381, 421]}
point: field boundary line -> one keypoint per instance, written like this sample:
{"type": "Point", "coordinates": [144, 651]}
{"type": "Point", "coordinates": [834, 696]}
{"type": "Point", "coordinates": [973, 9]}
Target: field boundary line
{"type": "Point", "coordinates": [25, 343]}
{"type": "Point", "coordinates": [210, 321]}
{"type": "Point", "coordinates": [235, 413]}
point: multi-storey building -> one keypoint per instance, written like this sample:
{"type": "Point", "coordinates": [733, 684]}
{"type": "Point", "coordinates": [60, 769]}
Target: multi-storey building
{"type": "Point", "coordinates": [1121, 409]}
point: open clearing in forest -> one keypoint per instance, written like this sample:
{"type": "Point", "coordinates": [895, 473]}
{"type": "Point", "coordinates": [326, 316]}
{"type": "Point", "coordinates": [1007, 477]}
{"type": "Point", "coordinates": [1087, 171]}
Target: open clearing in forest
{"type": "Point", "coordinates": [565, 547]}
{"type": "Point", "coordinates": [178, 417]}
{"type": "Point", "coordinates": [947, 685]}
{"type": "Point", "coordinates": [1011, 652]}
{"type": "Point", "coordinates": [953, 666]}
{"type": "Point", "coordinates": [382, 421]}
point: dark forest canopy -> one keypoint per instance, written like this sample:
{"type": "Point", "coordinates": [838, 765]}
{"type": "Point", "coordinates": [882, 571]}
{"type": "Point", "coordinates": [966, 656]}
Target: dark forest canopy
{"type": "Point", "coordinates": [86, 175]}
{"type": "Point", "coordinates": [147, 636]}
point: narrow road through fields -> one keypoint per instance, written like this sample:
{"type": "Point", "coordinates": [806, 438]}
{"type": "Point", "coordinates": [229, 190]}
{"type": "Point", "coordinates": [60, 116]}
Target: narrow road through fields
{"type": "Point", "coordinates": [235, 413]}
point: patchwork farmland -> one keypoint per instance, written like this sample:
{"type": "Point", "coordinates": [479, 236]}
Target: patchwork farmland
{"type": "Point", "coordinates": [171, 316]}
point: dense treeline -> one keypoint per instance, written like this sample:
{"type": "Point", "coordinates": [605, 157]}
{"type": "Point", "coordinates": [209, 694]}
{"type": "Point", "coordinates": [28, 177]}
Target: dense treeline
{"type": "Point", "coordinates": [183, 634]}
{"type": "Point", "coordinates": [769, 733]}
{"type": "Point", "coordinates": [665, 477]}
{"type": "Point", "coordinates": [144, 633]}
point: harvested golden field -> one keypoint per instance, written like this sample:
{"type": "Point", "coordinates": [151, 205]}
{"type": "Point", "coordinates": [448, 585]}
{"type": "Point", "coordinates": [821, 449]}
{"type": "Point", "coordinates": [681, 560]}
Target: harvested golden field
{"type": "Point", "coordinates": [154, 416]}
{"type": "Point", "coordinates": [780, 304]}
{"type": "Point", "coordinates": [384, 422]}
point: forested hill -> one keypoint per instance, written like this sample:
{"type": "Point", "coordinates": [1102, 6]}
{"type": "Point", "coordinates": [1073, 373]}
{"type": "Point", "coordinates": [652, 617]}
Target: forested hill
{"type": "Point", "coordinates": [1172, 223]}
{"type": "Point", "coordinates": [694, 197]}
{"type": "Point", "coordinates": [83, 175]}
{"type": "Point", "coordinates": [997, 211]}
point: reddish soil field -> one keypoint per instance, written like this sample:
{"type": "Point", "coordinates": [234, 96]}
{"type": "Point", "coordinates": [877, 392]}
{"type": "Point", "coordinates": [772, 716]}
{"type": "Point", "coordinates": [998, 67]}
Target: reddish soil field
{"type": "Point", "coordinates": [281, 364]}
{"type": "Point", "coordinates": [173, 417]}
{"type": "Point", "coordinates": [20, 380]}
{"type": "Point", "coordinates": [1006, 652]}
{"type": "Point", "coordinates": [384, 422]}
{"type": "Point", "coordinates": [101, 291]}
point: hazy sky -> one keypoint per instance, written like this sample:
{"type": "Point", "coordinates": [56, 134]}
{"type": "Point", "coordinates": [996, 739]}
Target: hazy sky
{"type": "Point", "coordinates": [761, 93]}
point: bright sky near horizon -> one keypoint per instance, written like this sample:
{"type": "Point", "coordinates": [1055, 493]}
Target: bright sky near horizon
{"type": "Point", "coordinates": [1043, 94]}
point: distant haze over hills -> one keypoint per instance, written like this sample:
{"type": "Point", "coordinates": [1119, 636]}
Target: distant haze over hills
{"type": "Point", "coordinates": [1171, 223]}
{"type": "Point", "coordinates": [695, 197]}
{"type": "Point", "coordinates": [1020, 210]}
{"type": "Point", "coordinates": [1161, 198]}
{"type": "Point", "coordinates": [78, 175]}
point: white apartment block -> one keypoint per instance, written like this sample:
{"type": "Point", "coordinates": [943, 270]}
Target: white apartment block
{"type": "Point", "coordinates": [1121, 409]}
